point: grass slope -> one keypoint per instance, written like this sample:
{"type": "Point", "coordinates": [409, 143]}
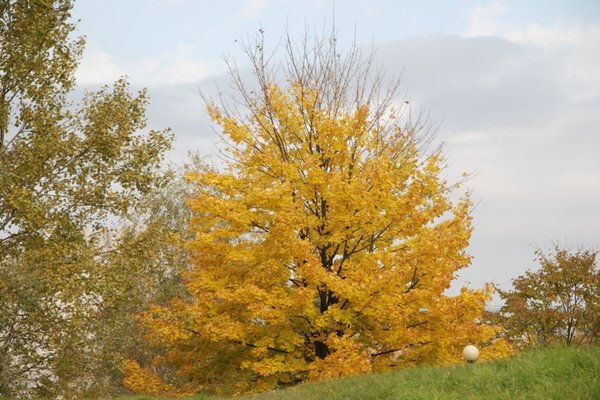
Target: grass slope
{"type": "Point", "coordinates": [560, 373]}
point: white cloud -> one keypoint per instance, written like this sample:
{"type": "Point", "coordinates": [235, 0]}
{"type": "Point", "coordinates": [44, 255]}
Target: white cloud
{"type": "Point", "coordinates": [536, 34]}
{"type": "Point", "coordinates": [576, 45]}
{"type": "Point", "coordinates": [175, 67]}
{"type": "Point", "coordinates": [98, 67]}
{"type": "Point", "coordinates": [483, 19]}
{"type": "Point", "coordinates": [523, 117]}
{"type": "Point", "coordinates": [581, 68]}
{"type": "Point", "coordinates": [493, 20]}
{"type": "Point", "coordinates": [179, 66]}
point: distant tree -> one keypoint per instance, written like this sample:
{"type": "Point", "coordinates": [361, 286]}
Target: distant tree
{"type": "Point", "coordinates": [325, 246]}
{"type": "Point", "coordinates": [68, 174]}
{"type": "Point", "coordinates": [559, 303]}
{"type": "Point", "coordinates": [141, 268]}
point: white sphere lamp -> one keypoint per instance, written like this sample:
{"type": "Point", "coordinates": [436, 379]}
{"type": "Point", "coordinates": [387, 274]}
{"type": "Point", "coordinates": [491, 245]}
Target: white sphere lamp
{"type": "Point", "coordinates": [470, 353]}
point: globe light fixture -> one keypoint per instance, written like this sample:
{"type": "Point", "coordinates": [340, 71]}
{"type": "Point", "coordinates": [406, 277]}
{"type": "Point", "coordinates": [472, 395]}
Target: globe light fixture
{"type": "Point", "coordinates": [470, 353]}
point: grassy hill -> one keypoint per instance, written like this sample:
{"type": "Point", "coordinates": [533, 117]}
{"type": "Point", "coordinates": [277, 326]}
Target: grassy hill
{"type": "Point", "coordinates": [560, 373]}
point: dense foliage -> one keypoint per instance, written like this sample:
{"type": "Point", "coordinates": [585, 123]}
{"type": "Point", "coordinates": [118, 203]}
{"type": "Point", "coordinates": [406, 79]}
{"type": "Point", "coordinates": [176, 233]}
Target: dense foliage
{"type": "Point", "coordinates": [69, 174]}
{"type": "Point", "coordinates": [558, 303]}
{"type": "Point", "coordinates": [324, 247]}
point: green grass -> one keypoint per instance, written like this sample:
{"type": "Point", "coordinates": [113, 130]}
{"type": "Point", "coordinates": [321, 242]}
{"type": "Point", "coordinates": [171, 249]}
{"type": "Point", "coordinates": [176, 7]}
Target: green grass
{"type": "Point", "coordinates": [560, 373]}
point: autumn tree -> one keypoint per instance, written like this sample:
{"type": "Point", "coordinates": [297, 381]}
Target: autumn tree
{"type": "Point", "coordinates": [68, 174]}
{"type": "Point", "coordinates": [326, 244]}
{"type": "Point", "coordinates": [558, 303]}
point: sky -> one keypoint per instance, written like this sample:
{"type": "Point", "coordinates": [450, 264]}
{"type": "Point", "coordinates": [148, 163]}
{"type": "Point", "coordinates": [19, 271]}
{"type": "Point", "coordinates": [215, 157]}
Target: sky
{"type": "Point", "coordinates": [513, 88]}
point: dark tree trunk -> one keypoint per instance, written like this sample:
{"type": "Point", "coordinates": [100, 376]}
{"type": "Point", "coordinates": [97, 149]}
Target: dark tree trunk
{"type": "Point", "coordinates": [321, 349]}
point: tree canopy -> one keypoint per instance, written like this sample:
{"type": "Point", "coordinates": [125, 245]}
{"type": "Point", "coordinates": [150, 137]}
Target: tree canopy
{"type": "Point", "coordinates": [558, 303]}
{"type": "Point", "coordinates": [326, 244]}
{"type": "Point", "coordinates": [69, 171]}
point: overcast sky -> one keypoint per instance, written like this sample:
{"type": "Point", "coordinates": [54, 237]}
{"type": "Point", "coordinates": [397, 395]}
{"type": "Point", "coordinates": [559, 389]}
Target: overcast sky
{"type": "Point", "coordinates": [514, 87]}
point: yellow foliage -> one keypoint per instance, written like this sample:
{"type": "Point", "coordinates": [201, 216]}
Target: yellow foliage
{"type": "Point", "coordinates": [323, 249]}
{"type": "Point", "coordinates": [141, 380]}
{"type": "Point", "coordinates": [347, 358]}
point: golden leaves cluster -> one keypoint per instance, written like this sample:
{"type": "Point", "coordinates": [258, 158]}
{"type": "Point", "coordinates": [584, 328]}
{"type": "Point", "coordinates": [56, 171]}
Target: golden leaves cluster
{"type": "Point", "coordinates": [325, 248]}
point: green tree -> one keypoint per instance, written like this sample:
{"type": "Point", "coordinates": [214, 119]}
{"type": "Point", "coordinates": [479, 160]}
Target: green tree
{"type": "Point", "coordinates": [141, 268]}
{"type": "Point", "coordinates": [559, 303]}
{"type": "Point", "coordinates": [68, 173]}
